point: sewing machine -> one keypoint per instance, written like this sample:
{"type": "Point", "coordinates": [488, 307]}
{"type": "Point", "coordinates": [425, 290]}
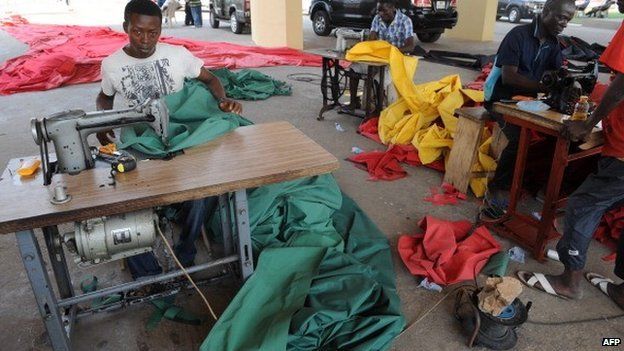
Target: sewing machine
{"type": "Point", "coordinates": [347, 38]}
{"type": "Point", "coordinates": [567, 85]}
{"type": "Point", "coordinates": [108, 238]}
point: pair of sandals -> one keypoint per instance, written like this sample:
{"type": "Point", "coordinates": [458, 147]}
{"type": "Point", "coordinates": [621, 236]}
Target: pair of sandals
{"type": "Point", "coordinates": [530, 279]}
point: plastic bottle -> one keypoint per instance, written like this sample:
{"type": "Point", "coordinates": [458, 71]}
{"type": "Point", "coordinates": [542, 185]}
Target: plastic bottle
{"type": "Point", "coordinates": [581, 110]}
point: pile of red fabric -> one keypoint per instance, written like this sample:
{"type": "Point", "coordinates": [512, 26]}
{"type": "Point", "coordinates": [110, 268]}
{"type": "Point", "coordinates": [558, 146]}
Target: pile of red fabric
{"type": "Point", "coordinates": [386, 165]}
{"type": "Point", "coordinates": [64, 55]}
{"type": "Point", "coordinates": [610, 229]}
{"type": "Point", "coordinates": [480, 80]}
{"type": "Point", "coordinates": [447, 252]}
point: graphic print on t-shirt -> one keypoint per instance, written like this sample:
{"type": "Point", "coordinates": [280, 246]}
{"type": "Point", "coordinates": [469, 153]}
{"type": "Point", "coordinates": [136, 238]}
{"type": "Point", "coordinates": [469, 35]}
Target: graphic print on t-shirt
{"type": "Point", "coordinates": [146, 80]}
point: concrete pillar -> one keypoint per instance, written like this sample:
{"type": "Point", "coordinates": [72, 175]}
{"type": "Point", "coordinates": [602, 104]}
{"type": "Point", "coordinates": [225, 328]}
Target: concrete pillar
{"type": "Point", "coordinates": [476, 20]}
{"type": "Point", "coordinates": [277, 23]}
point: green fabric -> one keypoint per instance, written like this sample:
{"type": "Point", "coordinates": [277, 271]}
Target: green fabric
{"type": "Point", "coordinates": [248, 84]}
{"type": "Point", "coordinates": [324, 278]}
{"type": "Point", "coordinates": [351, 303]}
{"type": "Point", "coordinates": [497, 265]}
{"type": "Point", "coordinates": [165, 308]}
{"type": "Point", "coordinates": [195, 118]}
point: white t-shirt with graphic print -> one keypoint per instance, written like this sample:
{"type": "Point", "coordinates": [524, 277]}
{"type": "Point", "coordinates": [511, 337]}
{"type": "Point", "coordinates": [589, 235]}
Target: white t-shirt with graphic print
{"type": "Point", "coordinates": [138, 79]}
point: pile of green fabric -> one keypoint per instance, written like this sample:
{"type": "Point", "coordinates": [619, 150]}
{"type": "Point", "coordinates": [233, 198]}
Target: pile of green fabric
{"type": "Point", "coordinates": [324, 278]}
{"type": "Point", "coordinates": [248, 84]}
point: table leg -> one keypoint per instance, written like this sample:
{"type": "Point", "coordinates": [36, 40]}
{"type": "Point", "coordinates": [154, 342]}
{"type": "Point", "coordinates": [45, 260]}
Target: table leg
{"type": "Point", "coordinates": [244, 233]}
{"type": "Point", "coordinates": [368, 87]}
{"type": "Point", "coordinates": [329, 81]}
{"type": "Point", "coordinates": [44, 295]}
{"type": "Point", "coordinates": [516, 184]}
{"type": "Point", "coordinates": [57, 259]}
{"type": "Point", "coordinates": [226, 224]}
{"type": "Point", "coordinates": [560, 160]}
{"type": "Point", "coordinates": [382, 91]}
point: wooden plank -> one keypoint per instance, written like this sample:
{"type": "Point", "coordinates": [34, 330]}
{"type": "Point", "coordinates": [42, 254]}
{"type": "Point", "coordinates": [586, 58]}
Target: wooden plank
{"type": "Point", "coordinates": [499, 141]}
{"type": "Point", "coordinates": [548, 119]}
{"type": "Point", "coordinates": [473, 113]}
{"type": "Point", "coordinates": [463, 153]}
{"type": "Point", "coordinates": [247, 157]}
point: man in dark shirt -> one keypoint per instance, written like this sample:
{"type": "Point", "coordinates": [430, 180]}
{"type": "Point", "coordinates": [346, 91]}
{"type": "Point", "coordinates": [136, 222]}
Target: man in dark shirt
{"type": "Point", "coordinates": [526, 52]}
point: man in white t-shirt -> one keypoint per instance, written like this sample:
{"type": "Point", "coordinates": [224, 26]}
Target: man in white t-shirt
{"type": "Point", "coordinates": [146, 69]}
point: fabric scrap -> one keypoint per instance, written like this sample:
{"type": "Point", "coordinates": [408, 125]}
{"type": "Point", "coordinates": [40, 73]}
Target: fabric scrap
{"type": "Point", "coordinates": [445, 195]}
{"type": "Point", "coordinates": [498, 293]}
{"type": "Point", "coordinates": [447, 252]}
{"type": "Point", "coordinates": [609, 231]}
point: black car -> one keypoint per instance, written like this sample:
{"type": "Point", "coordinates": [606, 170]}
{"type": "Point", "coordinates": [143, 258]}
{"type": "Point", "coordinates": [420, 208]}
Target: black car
{"type": "Point", "coordinates": [236, 12]}
{"type": "Point", "coordinates": [429, 17]}
{"type": "Point", "coordinates": [515, 10]}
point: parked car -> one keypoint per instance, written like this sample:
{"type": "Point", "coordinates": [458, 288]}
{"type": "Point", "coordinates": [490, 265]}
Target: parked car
{"type": "Point", "coordinates": [515, 10]}
{"type": "Point", "coordinates": [236, 12]}
{"type": "Point", "coordinates": [429, 17]}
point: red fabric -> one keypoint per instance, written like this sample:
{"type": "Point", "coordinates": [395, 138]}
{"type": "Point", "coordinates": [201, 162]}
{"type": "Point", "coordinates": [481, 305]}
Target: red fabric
{"type": "Point", "coordinates": [65, 55]}
{"type": "Point", "coordinates": [610, 229]}
{"type": "Point", "coordinates": [369, 129]}
{"type": "Point", "coordinates": [386, 165]}
{"type": "Point", "coordinates": [478, 83]}
{"type": "Point", "coordinates": [447, 252]}
{"type": "Point", "coordinates": [447, 194]}
{"type": "Point", "coordinates": [613, 125]}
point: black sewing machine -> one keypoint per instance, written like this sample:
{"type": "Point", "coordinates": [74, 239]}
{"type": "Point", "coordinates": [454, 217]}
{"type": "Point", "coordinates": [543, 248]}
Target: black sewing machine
{"type": "Point", "coordinates": [566, 85]}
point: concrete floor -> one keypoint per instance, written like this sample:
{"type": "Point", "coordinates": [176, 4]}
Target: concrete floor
{"type": "Point", "coordinates": [394, 206]}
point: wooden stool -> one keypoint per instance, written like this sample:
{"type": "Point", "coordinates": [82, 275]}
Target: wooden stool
{"type": "Point", "coordinates": [466, 144]}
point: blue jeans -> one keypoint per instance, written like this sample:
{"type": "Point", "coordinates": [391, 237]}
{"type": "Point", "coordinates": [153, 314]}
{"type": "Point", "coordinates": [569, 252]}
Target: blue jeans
{"type": "Point", "coordinates": [503, 176]}
{"type": "Point", "coordinates": [196, 11]}
{"type": "Point", "coordinates": [599, 193]}
{"type": "Point", "coordinates": [195, 213]}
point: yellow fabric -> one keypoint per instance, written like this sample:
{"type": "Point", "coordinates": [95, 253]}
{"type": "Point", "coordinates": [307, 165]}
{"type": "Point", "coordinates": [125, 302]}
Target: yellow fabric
{"type": "Point", "coordinates": [411, 118]}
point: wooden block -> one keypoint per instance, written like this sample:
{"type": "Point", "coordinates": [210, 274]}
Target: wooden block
{"type": "Point", "coordinates": [499, 141]}
{"type": "Point", "coordinates": [463, 153]}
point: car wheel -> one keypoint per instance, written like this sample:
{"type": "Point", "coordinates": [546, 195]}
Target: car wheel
{"type": "Point", "coordinates": [428, 37]}
{"type": "Point", "coordinates": [214, 22]}
{"type": "Point", "coordinates": [235, 26]}
{"type": "Point", "coordinates": [320, 23]}
{"type": "Point", "coordinates": [514, 15]}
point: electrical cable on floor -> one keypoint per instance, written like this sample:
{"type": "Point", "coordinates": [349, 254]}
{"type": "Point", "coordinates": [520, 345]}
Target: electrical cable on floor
{"type": "Point", "coordinates": [185, 272]}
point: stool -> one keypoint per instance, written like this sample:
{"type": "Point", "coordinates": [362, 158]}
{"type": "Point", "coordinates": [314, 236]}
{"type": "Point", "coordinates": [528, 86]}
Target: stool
{"type": "Point", "coordinates": [466, 144]}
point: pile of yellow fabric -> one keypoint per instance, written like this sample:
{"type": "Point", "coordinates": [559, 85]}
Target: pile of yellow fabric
{"type": "Point", "coordinates": [411, 118]}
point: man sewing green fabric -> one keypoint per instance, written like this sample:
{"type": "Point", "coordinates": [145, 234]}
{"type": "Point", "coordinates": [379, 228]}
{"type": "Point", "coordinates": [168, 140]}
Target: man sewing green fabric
{"type": "Point", "coordinates": [144, 69]}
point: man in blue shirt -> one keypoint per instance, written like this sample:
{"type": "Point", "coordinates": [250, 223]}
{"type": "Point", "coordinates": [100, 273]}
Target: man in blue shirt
{"type": "Point", "coordinates": [389, 25]}
{"type": "Point", "coordinates": [526, 52]}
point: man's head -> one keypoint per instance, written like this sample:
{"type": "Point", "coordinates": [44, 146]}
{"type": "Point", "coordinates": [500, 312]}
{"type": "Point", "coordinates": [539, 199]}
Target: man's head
{"type": "Point", "coordinates": [142, 23]}
{"type": "Point", "coordinates": [386, 10]}
{"type": "Point", "coordinates": [556, 15]}
{"type": "Point", "coordinates": [620, 4]}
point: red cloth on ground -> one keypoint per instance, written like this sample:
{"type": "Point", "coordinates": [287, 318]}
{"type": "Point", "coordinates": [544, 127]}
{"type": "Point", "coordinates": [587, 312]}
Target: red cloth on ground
{"type": "Point", "coordinates": [386, 165]}
{"type": "Point", "coordinates": [65, 55]}
{"type": "Point", "coordinates": [370, 130]}
{"type": "Point", "coordinates": [478, 83]}
{"type": "Point", "coordinates": [447, 194]}
{"type": "Point", "coordinates": [447, 253]}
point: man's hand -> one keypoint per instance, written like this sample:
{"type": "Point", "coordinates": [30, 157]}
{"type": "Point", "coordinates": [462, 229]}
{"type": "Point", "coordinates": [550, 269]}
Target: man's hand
{"type": "Point", "coordinates": [227, 105]}
{"type": "Point", "coordinates": [576, 130]}
{"type": "Point", "coordinates": [104, 137]}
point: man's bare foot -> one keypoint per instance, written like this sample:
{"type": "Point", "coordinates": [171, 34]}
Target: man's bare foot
{"type": "Point", "coordinates": [567, 284]}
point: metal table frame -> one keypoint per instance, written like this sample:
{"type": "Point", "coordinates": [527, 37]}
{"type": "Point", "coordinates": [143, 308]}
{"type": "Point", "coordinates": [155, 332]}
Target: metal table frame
{"type": "Point", "coordinates": [60, 313]}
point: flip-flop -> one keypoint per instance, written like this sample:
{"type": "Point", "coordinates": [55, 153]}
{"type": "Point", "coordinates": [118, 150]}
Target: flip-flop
{"type": "Point", "coordinates": [601, 283]}
{"type": "Point", "coordinates": [534, 278]}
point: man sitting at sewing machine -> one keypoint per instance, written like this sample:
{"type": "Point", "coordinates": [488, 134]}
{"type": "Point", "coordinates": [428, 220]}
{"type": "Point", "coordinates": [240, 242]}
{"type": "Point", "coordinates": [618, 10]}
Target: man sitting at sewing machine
{"type": "Point", "coordinates": [389, 25]}
{"type": "Point", "coordinates": [524, 55]}
{"type": "Point", "coordinates": [145, 69]}
{"type": "Point", "coordinates": [600, 192]}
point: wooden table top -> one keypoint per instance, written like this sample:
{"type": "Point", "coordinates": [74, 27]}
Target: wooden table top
{"type": "Point", "coordinates": [548, 119]}
{"type": "Point", "coordinates": [247, 157]}
{"type": "Point", "coordinates": [335, 55]}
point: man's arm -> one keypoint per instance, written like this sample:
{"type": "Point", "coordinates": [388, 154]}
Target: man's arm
{"type": "Point", "coordinates": [512, 78]}
{"type": "Point", "coordinates": [104, 102]}
{"type": "Point", "coordinates": [373, 35]}
{"type": "Point", "coordinates": [215, 87]}
{"type": "Point", "coordinates": [579, 130]}
{"type": "Point", "coordinates": [410, 43]}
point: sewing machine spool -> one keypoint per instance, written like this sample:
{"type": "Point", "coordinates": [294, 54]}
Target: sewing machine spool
{"type": "Point", "coordinates": [483, 329]}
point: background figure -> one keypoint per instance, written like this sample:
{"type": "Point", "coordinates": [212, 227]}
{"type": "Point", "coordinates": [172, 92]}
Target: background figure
{"type": "Point", "coordinates": [196, 11]}
{"type": "Point", "coordinates": [188, 16]}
